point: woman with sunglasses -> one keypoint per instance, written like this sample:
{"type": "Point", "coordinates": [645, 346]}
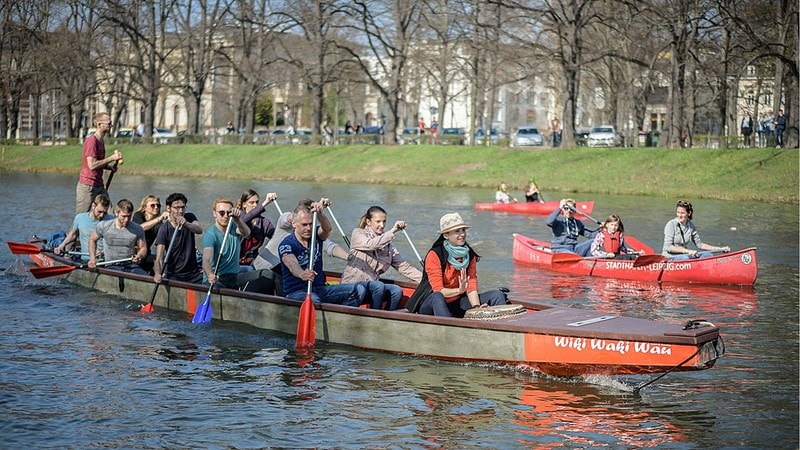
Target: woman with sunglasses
{"type": "Point", "coordinates": [680, 232]}
{"type": "Point", "coordinates": [150, 217]}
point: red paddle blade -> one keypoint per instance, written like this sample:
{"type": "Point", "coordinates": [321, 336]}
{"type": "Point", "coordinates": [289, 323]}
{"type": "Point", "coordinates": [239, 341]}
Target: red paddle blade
{"type": "Point", "coordinates": [147, 308]}
{"type": "Point", "coordinates": [638, 245]}
{"type": "Point", "coordinates": [19, 248]}
{"type": "Point", "coordinates": [44, 272]}
{"type": "Point", "coordinates": [645, 260]}
{"type": "Point", "coordinates": [566, 258]}
{"type": "Point", "coordinates": [306, 324]}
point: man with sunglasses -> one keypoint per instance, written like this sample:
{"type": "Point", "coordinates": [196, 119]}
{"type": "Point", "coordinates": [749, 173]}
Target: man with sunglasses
{"type": "Point", "coordinates": [227, 273]}
{"type": "Point", "coordinates": [566, 229]}
{"type": "Point", "coordinates": [182, 263]}
{"type": "Point", "coordinates": [93, 163]}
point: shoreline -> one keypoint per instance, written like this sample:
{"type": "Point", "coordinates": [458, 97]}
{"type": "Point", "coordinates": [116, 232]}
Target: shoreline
{"type": "Point", "coordinates": [767, 175]}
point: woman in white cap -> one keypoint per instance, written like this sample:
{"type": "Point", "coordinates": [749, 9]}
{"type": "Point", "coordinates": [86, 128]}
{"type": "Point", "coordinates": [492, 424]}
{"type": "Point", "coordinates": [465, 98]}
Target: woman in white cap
{"type": "Point", "coordinates": [449, 285]}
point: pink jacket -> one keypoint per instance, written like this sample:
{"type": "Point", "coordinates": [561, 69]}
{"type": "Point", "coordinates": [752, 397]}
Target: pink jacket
{"type": "Point", "coordinates": [371, 255]}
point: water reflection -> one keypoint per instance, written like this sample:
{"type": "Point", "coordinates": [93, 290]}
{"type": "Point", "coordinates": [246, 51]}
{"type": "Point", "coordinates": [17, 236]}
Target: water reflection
{"type": "Point", "coordinates": [665, 301]}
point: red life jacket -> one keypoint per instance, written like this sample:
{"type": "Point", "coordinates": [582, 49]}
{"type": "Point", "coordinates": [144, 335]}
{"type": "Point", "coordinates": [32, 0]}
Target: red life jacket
{"type": "Point", "coordinates": [611, 242]}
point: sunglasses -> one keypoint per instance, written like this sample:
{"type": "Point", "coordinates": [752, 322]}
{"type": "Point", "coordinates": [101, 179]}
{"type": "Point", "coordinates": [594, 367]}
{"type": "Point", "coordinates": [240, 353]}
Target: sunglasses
{"type": "Point", "coordinates": [155, 205]}
{"type": "Point", "coordinates": [225, 212]}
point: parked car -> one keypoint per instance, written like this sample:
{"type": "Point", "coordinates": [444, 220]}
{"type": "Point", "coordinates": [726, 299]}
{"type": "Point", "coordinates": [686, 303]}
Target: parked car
{"type": "Point", "coordinates": [409, 136]}
{"type": "Point", "coordinates": [261, 136]}
{"type": "Point", "coordinates": [582, 135]}
{"type": "Point", "coordinates": [528, 135]}
{"type": "Point", "coordinates": [163, 135]}
{"type": "Point", "coordinates": [603, 136]}
{"type": "Point", "coordinates": [455, 136]}
{"type": "Point", "coordinates": [124, 133]}
{"type": "Point", "coordinates": [494, 136]}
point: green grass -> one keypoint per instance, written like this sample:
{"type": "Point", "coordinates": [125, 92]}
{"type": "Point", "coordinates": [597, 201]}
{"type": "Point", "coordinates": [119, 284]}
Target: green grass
{"type": "Point", "coordinates": [769, 175]}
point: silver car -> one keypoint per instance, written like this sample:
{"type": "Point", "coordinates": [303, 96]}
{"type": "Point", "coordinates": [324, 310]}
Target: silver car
{"type": "Point", "coordinates": [603, 136]}
{"type": "Point", "coordinates": [527, 136]}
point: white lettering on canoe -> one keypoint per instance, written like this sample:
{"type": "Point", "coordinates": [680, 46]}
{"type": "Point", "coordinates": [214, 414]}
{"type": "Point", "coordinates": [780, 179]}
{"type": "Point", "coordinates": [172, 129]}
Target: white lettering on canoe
{"type": "Point", "coordinates": [610, 346]}
{"type": "Point", "coordinates": [628, 265]}
{"type": "Point", "coordinates": [621, 347]}
{"type": "Point", "coordinates": [571, 342]}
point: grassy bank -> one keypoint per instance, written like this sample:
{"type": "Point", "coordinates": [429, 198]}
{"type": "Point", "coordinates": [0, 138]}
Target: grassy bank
{"type": "Point", "coordinates": [756, 174]}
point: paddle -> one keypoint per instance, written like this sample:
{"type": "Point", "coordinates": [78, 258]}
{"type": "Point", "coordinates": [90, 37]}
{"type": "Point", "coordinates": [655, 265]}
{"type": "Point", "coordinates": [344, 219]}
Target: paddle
{"type": "Point", "coordinates": [278, 207]}
{"type": "Point", "coordinates": [639, 245]}
{"type": "Point", "coordinates": [117, 163]}
{"type": "Point", "coordinates": [419, 258]}
{"type": "Point", "coordinates": [562, 258]}
{"type": "Point", "coordinates": [149, 307]}
{"type": "Point", "coordinates": [306, 321]}
{"type": "Point", "coordinates": [19, 248]}
{"type": "Point", "coordinates": [644, 260]}
{"type": "Point", "coordinates": [541, 196]}
{"type": "Point", "coordinates": [344, 236]}
{"type": "Point", "coordinates": [203, 312]}
{"type": "Point", "coordinates": [45, 272]}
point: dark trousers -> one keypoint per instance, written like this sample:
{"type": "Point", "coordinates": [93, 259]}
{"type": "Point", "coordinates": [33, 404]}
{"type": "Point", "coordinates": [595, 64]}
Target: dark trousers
{"type": "Point", "coordinates": [435, 304]}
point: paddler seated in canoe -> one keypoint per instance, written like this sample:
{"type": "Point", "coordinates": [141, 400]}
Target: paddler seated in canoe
{"type": "Point", "coordinates": [298, 267]}
{"type": "Point", "coordinates": [502, 195]}
{"type": "Point", "coordinates": [268, 259]}
{"type": "Point", "coordinates": [566, 229]}
{"type": "Point", "coordinates": [610, 241]}
{"type": "Point", "coordinates": [83, 225]}
{"type": "Point", "coordinates": [372, 254]}
{"type": "Point", "coordinates": [680, 232]}
{"type": "Point", "coordinates": [221, 262]}
{"type": "Point", "coordinates": [449, 285]}
{"type": "Point", "coordinates": [532, 193]}
{"type": "Point", "coordinates": [122, 239]}
{"type": "Point", "coordinates": [150, 217]}
{"type": "Point", "coordinates": [182, 262]}
{"type": "Point", "coordinates": [261, 228]}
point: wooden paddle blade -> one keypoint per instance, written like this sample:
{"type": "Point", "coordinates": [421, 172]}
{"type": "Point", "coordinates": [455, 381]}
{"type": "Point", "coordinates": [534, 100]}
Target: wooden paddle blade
{"type": "Point", "coordinates": [306, 324]}
{"type": "Point", "coordinates": [645, 260]}
{"type": "Point", "coordinates": [565, 258]}
{"type": "Point", "coordinates": [44, 272]}
{"type": "Point", "coordinates": [203, 313]}
{"type": "Point", "coordinates": [19, 248]}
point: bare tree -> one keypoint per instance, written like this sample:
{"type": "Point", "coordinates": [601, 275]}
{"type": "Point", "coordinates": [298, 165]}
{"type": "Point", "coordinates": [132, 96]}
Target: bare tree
{"type": "Point", "coordinates": [384, 34]}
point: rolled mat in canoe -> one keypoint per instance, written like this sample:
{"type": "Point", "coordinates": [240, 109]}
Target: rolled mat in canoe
{"type": "Point", "coordinates": [494, 312]}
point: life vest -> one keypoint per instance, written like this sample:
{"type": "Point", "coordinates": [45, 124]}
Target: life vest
{"type": "Point", "coordinates": [611, 242]}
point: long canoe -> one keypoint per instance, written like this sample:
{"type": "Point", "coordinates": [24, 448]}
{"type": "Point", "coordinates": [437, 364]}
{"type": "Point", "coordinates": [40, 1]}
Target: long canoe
{"type": "Point", "coordinates": [553, 340]}
{"type": "Point", "coordinates": [739, 267]}
{"type": "Point", "coordinates": [531, 207]}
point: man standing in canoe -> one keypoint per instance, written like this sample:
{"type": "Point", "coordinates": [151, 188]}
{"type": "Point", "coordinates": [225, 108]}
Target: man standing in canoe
{"type": "Point", "coordinates": [122, 239]}
{"type": "Point", "coordinates": [566, 229]}
{"type": "Point", "coordinates": [94, 162]}
{"type": "Point", "coordinates": [298, 268]}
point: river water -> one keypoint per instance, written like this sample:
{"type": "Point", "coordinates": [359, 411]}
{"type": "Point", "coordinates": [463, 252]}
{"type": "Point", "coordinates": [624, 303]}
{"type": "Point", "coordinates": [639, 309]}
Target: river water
{"type": "Point", "coordinates": [80, 369]}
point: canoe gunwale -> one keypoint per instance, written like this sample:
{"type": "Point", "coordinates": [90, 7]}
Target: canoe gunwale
{"type": "Point", "coordinates": [367, 328]}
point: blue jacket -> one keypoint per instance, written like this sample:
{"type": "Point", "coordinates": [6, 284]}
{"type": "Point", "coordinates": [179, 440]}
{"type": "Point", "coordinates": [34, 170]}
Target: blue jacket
{"type": "Point", "coordinates": [565, 232]}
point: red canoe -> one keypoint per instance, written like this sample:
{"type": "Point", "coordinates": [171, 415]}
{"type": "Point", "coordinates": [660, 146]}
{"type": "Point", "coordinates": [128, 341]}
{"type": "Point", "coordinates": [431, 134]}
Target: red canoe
{"type": "Point", "coordinates": [737, 267]}
{"type": "Point", "coordinates": [531, 207]}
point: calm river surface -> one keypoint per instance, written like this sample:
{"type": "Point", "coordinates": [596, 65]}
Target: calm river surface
{"type": "Point", "coordinates": [80, 369]}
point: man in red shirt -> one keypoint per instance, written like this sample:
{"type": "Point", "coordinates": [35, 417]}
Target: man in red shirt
{"type": "Point", "coordinates": [94, 161]}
